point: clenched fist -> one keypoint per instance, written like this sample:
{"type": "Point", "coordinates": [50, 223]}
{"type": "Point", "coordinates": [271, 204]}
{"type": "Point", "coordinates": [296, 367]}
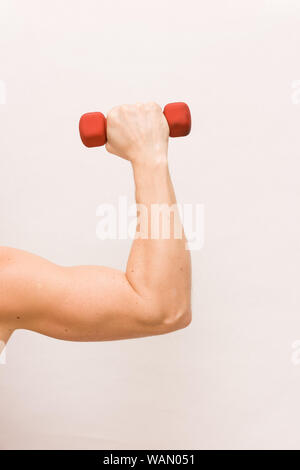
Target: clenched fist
{"type": "Point", "coordinates": [138, 132]}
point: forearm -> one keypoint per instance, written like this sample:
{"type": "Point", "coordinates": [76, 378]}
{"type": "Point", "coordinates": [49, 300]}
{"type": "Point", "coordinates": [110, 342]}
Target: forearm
{"type": "Point", "coordinates": [159, 266]}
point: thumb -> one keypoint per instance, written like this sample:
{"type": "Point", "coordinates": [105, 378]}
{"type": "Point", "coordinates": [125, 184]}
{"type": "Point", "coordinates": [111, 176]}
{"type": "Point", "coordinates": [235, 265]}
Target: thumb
{"type": "Point", "coordinates": [108, 147]}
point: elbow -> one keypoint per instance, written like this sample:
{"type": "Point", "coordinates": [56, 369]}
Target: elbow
{"type": "Point", "coordinates": [177, 319]}
{"type": "Point", "coordinates": [168, 319]}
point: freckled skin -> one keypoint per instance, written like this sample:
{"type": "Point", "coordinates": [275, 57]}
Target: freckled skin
{"type": "Point", "coordinates": [96, 303]}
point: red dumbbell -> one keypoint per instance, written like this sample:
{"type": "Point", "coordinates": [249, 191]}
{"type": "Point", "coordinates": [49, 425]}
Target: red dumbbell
{"type": "Point", "coordinates": [92, 126]}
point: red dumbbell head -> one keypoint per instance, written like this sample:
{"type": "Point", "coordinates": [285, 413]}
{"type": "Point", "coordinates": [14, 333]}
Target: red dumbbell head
{"type": "Point", "coordinates": [179, 119]}
{"type": "Point", "coordinates": [92, 128]}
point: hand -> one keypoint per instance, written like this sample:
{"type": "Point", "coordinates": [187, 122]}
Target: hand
{"type": "Point", "coordinates": [138, 132]}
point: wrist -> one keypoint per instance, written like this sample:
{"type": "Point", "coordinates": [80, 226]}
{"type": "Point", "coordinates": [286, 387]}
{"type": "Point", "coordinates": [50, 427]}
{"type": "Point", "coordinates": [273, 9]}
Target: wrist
{"type": "Point", "coordinates": [150, 163]}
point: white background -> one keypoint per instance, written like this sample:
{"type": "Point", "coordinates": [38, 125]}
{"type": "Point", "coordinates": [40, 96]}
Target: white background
{"type": "Point", "coordinates": [229, 380]}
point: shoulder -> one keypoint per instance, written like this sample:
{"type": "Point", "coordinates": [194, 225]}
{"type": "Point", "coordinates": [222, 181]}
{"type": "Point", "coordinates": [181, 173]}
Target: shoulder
{"type": "Point", "coordinates": [10, 260]}
{"type": "Point", "coordinates": [8, 257]}
{"type": "Point", "coordinates": [7, 254]}
{"type": "Point", "coordinates": [20, 273]}
{"type": "Point", "coordinates": [14, 270]}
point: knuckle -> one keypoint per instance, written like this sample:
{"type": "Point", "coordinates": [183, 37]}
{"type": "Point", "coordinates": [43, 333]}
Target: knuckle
{"type": "Point", "coordinates": [126, 108]}
{"type": "Point", "coordinates": [112, 113]}
{"type": "Point", "coordinates": [152, 106]}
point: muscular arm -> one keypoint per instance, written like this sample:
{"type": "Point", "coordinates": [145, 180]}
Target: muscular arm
{"type": "Point", "coordinates": [91, 303]}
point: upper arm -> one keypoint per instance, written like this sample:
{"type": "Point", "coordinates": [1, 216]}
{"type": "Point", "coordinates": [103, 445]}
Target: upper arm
{"type": "Point", "coordinates": [84, 303]}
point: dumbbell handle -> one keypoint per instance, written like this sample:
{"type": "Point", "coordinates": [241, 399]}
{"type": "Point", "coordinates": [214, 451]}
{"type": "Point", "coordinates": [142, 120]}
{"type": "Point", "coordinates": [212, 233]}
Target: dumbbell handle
{"type": "Point", "coordinates": [92, 126]}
